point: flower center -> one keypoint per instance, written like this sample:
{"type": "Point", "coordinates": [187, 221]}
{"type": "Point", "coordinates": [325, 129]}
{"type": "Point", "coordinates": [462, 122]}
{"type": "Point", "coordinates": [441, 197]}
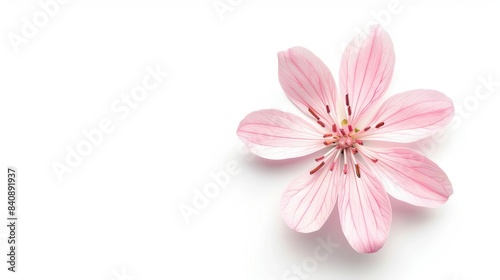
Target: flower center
{"type": "Point", "coordinates": [346, 144]}
{"type": "Point", "coordinates": [343, 138]}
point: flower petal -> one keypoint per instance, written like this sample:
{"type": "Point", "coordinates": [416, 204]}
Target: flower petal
{"type": "Point", "coordinates": [411, 177]}
{"type": "Point", "coordinates": [308, 83]}
{"type": "Point", "coordinates": [411, 116]}
{"type": "Point", "coordinates": [309, 200]}
{"type": "Point", "coordinates": [366, 70]}
{"type": "Point", "coordinates": [274, 134]}
{"type": "Point", "coordinates": [365, 210]}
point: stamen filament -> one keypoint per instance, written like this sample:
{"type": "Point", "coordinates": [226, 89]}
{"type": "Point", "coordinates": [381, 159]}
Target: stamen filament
{"type": "Point", "coordinates": [367, 154]}
{"type": "Point", "coordinates": [330, 152]}
{"type": "Point", "coordinates": [335, 159]}
{"type": "Point", "coordinates": [331, 167]}
{"type": "Point", "coordinates": [345, 164]}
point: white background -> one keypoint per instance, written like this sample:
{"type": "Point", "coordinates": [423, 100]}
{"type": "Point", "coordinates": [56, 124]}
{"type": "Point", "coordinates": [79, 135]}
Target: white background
{"type": "Point", "coordinates": [116, 215]}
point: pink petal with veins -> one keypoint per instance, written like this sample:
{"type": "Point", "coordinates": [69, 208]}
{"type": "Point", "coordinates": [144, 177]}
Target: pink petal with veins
{"type": "Point", "coordinates": [274, 134]}
{"type": "Point", "coordinates": [411, 177]}
{"type": "Point", "coordinates": [309, 200]}
{"type": "Point", "coordinates": [366, 70]}
{"type": "Point", "coordinates": [308, 83]}
{"type": "Point", "coordinates": [411, 116]}
{"type": "Point", "coordinates": [365, 210]}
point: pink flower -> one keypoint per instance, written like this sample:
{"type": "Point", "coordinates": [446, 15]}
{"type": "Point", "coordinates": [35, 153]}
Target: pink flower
{"type": "Point", "coordinates": [350, 125]}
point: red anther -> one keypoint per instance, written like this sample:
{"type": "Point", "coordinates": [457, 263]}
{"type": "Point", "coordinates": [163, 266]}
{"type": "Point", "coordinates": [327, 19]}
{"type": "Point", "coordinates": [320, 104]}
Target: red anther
{"type": "Point", "coordinates": [354, 151]}
{"type": "Point", "coordinates": [374, 160]}
{"type": "Point", "coordinates": [327, 135]}
{"type": "Point", "coordinates": [357, 171]}
{"type": "Point", "coordinates": [313, 113]}
{"type": "Point", "coordinates": [349, 110]}
{"type": "Point", "coordinates": [320, 158]}
{"type": "Point", "coordinates": [334, 127]}
{"type": "Point", "coordinates": [342, 131]}
{"type": "Point", "coordinates": [331, 167]}
{"type": "Point", "coordinates": [317, 168]}
{"type": "Point", "coordinates": [327, 143]}
{"type": "Point", "coordinates": [321, 123]}
{"type": "Point", "coordinates": [345, 169]}
{"type": "Point", "coordinates": [347, 99]}
{"type": "Point", "coordinates": [328, 109]}
{"type": "Point", "coordinates": [379, 124]}
{"type": "Point", "coordinates": [350, 128]}
{"type": "Point", "coordinates": [359, 141]}
{"type": "Point", "coordinates": [367, 128]}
